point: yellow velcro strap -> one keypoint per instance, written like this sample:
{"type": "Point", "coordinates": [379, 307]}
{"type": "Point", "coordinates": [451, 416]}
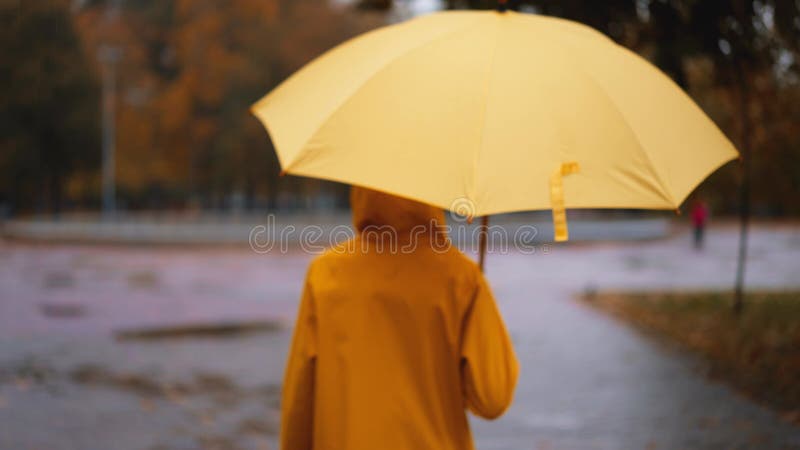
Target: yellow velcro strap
{"type": "Point", "coordinates": [557, 199]}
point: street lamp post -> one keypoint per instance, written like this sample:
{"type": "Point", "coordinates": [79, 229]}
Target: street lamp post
{"type": "Point", "coordinates": [108, 57]}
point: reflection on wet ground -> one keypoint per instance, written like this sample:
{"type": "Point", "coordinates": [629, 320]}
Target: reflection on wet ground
{"type": "Point", "coordinates": [587, 381]}
{"type": "Point", "coordinates": [95, 393]}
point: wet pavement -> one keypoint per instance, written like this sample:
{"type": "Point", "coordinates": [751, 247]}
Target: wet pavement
{"type": "Point", "coordinates": [587, 381]}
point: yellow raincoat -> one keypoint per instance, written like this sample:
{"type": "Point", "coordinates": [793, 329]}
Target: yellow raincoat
{"type": "Point", "coordinates": [397, 334]}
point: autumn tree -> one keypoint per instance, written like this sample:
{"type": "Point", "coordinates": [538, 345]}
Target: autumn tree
{"type": "Point", "coordinates": [190, 71]}
{"type": "Point", "coordinates": [49, 106]}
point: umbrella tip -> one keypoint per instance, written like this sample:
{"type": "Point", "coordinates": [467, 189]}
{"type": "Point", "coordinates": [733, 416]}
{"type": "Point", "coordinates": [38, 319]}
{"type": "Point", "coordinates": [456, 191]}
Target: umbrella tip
{"type": "Point", "coordinates": [502, 5]}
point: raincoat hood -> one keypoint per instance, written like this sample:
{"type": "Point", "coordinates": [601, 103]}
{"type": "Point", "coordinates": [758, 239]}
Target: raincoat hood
{"type": "Point", "coordinates": [377, 209]}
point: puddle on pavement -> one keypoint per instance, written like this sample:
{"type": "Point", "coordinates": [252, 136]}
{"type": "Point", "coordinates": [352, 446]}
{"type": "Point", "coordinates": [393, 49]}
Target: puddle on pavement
{"type": "Point", "coordinates": [213, 410]}
{"type": "Point", "coordinates": [221, 388]}
{"type": "Point", "coordinates": [218, 330]}
{"type": "Point", "coordinates": [62, 310]}
{"type": "Point", "coordinates": [27, 373]}
{"type": "Point", "coordinates": [58, 280]}
{"type": "Point", "coordinates": [143, 280]}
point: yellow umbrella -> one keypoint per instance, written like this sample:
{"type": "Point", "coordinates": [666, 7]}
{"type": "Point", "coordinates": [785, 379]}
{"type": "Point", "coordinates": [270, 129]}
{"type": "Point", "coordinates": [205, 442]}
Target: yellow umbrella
{"type": "Point", "coordinates": [491, 112]}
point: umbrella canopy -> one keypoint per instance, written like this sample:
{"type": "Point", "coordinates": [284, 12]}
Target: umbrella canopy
{"type": "Point", "coordinates": [490, 112]}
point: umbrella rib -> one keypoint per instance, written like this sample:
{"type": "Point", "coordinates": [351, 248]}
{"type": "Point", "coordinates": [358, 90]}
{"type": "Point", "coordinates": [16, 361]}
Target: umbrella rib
{"type": "Point", "coordinates": [664, 189]}
{"type": "Point", "coordinates": [346, 99]}
{"type": "Point", "coordinates": [487, 91]}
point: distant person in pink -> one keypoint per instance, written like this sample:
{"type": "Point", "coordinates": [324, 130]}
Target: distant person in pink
{"type": "Point", "coordinates": [699, 221]}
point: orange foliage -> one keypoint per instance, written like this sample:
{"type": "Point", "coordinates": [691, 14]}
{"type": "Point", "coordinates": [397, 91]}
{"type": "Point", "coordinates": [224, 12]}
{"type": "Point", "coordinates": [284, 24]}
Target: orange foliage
{"type": "Point", "coordinates": [189, 72]}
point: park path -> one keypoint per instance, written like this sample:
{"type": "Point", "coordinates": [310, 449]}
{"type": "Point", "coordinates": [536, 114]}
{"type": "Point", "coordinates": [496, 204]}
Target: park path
{"type": "Point", "coordinates": [587, 381]}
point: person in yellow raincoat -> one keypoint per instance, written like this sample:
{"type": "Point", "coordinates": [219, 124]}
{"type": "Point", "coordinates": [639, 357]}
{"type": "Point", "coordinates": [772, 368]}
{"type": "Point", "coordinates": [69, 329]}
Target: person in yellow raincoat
{"type": "Point", "coordinates": [397, 335]}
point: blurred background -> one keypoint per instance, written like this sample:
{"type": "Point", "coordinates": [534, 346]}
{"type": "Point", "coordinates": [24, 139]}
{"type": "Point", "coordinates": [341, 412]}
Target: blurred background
{"type": "Point", "coordinates": [136, 312]}
{"type": "Point", "coordinates": [178, 78]}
